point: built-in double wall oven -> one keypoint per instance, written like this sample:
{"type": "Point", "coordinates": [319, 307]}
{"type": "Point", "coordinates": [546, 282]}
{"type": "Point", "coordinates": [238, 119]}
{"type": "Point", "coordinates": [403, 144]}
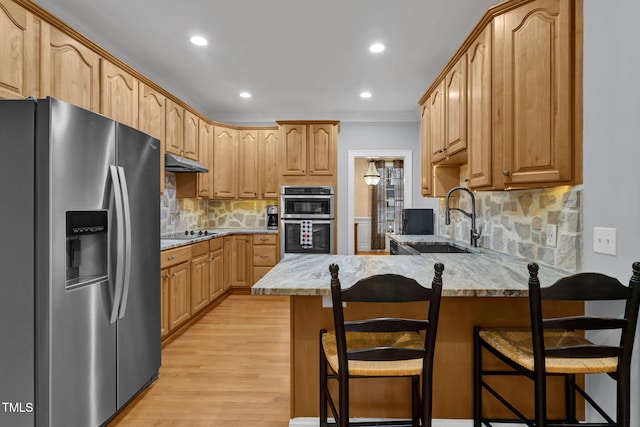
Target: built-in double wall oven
{"type": "Point", "coordinates": [307, 219]}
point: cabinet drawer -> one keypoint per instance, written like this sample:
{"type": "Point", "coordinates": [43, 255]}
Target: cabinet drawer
{"type": "Point", "coordinates": [264, 255]}
{"type": "Point", "coordinates": [175, 256]}
{"type": "Point", "coordinates": [258, 272]}
{"type": "Point", "coordinates": [216, 244]}
{"type": "Point", "coordinates": [264, 239]}
{"type": "Point", "coordinates": [199, 248]}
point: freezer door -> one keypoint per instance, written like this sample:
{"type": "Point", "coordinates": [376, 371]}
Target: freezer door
{"type": "Point", "coordinates": [17, 296]}
{"type": "Point", "coordinates": [82, 365]}
{"type": "Point", "coordinates": [139, 312]}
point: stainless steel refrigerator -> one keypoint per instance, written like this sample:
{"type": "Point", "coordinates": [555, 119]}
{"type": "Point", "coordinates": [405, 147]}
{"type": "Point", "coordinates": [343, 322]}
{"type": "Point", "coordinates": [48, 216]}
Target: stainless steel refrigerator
{"type": "Point", "coordinates": [79, 256]}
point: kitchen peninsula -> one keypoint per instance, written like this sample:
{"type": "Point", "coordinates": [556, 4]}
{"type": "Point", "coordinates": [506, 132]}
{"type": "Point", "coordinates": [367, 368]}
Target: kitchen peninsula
{"type": "Point", "coordinates": [485, 288]}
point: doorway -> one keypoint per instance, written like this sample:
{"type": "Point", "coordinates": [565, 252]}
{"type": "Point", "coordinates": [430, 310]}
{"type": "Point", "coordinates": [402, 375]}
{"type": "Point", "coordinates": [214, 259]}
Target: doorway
{"type": "Point", "coordinates": [404, 155]}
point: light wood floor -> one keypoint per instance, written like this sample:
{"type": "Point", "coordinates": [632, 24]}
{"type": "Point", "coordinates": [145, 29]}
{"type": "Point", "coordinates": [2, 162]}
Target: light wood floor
{"type": "Point", "coordinates": [231, 369]}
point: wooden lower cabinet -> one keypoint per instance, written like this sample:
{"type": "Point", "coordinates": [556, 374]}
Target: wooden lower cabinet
{"type": "Point", "coordinates": [199, 277]}
{"type": "Point", "coordinates": [179, 295]}
{"type": "Point", "coordinates": [241, 262]}
{"type": "Point", "coordinates": [164, 302]}
{"type": "Point", "coordinates": [265, 254]}
{"type": "Point", "coordinates": [226, 274]}
{"type": "Point", "coordinates": [216, 268]}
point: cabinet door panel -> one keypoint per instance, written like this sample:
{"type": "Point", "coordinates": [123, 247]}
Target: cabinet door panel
{"type": "Point", "coordinates": [199, 283]}
{"type": "Point", "coordinates": [205, 152]}
{"type": "Point", "coordinates": [69, 70]}
{"type": "Point", "coordinates": [17, 69]}
{"type": "Point", "coordinates": [537, 92]}
{"type": "Point", "coordinates": [190, 141]}
{"type": "Point", "coordinates": [174, 122]}
{"type": "Point", "coordinates": [321, 150]}
{"type": "Point", "coordinates": [479, 138]}
{"type": "Point", "coordinates": [151, 119]}
{"type": "Point", "coordinates": [294, 149]}
{"type": "Point", "coordinates": [426, 167]}
{"type": "Point", "coordinates": [118, 94]}
{"type": "Point", "coordinates": [268, 166]}
{"type": "Point", "coordinates": [179, 295]}
{"type": "Point", "coordinates": [436, 123]}
{"type": "Point", "coordinates": [225, 159]}
{"type": "Point", "coordinates": [456, 107]}
{"type": "Point", "coordinates": [248, 164]}
{"type": "Point", "coordinates": [164, 295]}
{"type": "Point", "coordinates": [216, 274]}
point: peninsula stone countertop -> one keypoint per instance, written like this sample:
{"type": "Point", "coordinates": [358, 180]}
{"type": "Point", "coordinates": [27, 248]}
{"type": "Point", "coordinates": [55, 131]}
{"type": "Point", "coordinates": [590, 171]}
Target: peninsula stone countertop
{"type": "Point", "coordinates": [175, 240]}
{"type": "Point", "coordinates": [485, 273]}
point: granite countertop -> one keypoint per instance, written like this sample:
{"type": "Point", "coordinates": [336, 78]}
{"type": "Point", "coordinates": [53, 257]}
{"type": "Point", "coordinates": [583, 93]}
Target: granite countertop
{"type": "Point", "coordinates": [169, 241]}
{"type": "Point", "coordinates": [484, 273]}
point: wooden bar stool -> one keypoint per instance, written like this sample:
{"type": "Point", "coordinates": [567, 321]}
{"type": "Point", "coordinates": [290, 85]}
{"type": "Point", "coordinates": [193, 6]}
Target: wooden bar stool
{"type": "Point", "coordinates": [552, 347]}
{"type": "Point", "coordinates": [380, 346]}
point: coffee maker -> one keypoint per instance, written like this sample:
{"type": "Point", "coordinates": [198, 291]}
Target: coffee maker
{"type": "Point", "coordinates": [272, 217]}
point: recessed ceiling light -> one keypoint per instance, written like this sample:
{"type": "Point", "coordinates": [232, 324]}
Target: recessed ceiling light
{"type": "Point", "coordinates": [376, 48]}
{"type": "Point", "coordinates": [245, 95]}
{"type": "Point", "coordinates": [199, 41]}
{"type": "Point", "coordinates": [365, 95]}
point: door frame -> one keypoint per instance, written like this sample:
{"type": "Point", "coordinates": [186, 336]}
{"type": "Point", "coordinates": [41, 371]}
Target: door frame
{"type": "Point", "coordinates": [406, 155]}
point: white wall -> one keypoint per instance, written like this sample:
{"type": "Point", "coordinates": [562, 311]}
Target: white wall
{"type": "Point", "coordinates": [376, 136]}
{"type": "Point", "coordinates": [611, 152]}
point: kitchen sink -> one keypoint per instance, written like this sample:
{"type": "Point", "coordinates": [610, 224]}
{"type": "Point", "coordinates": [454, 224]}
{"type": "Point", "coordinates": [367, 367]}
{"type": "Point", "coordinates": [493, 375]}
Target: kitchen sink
{"type": "Point", "coordinates": [447, 248]}
{"type": "Point", "coordinates": [430, 248]}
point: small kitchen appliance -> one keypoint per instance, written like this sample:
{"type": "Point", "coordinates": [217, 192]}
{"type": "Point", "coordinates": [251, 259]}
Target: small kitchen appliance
{"type": "Point", "coordinates": [272, 217]}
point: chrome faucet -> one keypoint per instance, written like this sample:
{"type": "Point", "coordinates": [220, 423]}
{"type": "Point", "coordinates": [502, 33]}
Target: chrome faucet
{"type": "Point", "coordinates": [475, 234]}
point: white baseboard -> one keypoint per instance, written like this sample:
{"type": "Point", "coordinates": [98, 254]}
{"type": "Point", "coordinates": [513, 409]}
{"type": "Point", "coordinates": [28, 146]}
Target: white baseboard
{"type": "Point", "coordinates": [313, 422]}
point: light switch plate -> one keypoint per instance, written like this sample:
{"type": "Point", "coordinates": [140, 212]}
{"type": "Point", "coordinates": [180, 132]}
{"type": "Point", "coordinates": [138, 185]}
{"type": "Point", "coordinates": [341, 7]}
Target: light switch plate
{"type": "Point", "coordinates": [552, 235]}
{"type": "Point", "coordinates": [604, 240]}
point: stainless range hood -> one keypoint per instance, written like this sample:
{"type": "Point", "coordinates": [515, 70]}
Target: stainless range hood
{"type": "Point", "coordinates": [177, 164]}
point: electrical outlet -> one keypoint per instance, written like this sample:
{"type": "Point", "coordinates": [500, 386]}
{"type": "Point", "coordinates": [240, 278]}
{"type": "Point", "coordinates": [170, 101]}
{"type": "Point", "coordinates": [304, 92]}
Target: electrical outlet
{"type": "Point", "coordinates": [604, 240]}
{"type": "Point", "coordinates": [552, 235]}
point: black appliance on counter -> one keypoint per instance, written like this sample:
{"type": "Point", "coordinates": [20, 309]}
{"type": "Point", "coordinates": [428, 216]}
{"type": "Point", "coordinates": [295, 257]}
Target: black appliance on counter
{"type": "Point", "coordinates": [272, 217]}
{"type": "Point", "coordinates": [417, 221]}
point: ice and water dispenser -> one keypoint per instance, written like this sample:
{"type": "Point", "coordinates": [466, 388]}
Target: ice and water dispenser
{"type": "Point", "coordinates": [87, 248]}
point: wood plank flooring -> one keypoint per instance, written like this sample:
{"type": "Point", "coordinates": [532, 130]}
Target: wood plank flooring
{"type": "Point", "coordinates": [231, 369]}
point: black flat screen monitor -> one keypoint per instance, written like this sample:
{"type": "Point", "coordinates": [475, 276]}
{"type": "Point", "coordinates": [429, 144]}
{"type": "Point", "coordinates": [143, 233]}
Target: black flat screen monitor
{"type": "Point", "coordinates": [417, 221]}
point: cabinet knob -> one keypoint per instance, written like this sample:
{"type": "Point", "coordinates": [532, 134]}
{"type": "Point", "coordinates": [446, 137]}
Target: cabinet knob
{"type": "Point", "coordinates": [505, 172]}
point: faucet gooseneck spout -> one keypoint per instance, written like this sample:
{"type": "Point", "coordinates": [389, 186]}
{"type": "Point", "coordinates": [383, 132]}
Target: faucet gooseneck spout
{"type": "Point", "coordinates": [475, 234]}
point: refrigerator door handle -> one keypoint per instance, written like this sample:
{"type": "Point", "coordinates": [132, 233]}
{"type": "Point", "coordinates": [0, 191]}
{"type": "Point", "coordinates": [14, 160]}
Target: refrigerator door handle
{"type": "Point", "coordinates": [127, 241]}
{"type": "Point", "coordinates": [119, 280]}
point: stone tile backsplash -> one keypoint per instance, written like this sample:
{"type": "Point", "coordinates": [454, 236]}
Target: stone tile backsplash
{"type": "Point", "coordinates": [515, 222]}
{"type": "Point", "coordinates": [178, 215]}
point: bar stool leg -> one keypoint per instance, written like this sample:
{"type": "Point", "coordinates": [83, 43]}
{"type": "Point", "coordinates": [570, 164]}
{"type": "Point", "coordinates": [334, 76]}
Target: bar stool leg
{"type": "Point", "coordinates": [477, 378]}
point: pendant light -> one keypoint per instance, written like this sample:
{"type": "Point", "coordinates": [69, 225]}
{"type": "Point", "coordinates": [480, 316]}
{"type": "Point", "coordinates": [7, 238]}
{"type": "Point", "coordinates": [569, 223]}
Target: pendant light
{"type": "Point", "coordinates": [372, 177]}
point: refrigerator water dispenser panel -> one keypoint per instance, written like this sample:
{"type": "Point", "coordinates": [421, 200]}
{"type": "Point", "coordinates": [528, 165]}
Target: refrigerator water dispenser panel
{"type": "Point", "coordinates": [87, 248]}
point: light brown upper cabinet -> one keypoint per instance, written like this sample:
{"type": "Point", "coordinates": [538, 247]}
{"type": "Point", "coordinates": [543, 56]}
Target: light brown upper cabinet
{"type": "Point", "coordinates": [521, 73]}
{"type": "Point", "coordinates": [69, 70]}
{"type": "Point", "coordinates": [190, 141]}
{"type": "Point", "coordinates": [425, 158]}
{"type": "Point", "coordinates": [436, 123]}
{"type": "Point", "coordinates": [225, 163]}
{"type": "Point", "coordinates": [151, 119]}
{"type": "Point", "coordinates": [456, 111]}
{"type": "Point", "coordinates": [308, 152]}
{"type": "Point", "coordinates": [174, 122]}
{"type": "Point", "coordinates": [248, 141]}
{"type": "Point", "coordinates": [181, 131]}
{"type": "Point", "coordinates": [533, 51]}
{"type": "Point", "coordinates": [205, 150]}
{"type": "Point", "coordinates": [18, 66]}
{"type": "Point", "coordinates": [118, 94]}
{"type": "Point", "coordinates": [268, 164]}
{"type": "Point", "coordinates": [479, 142]}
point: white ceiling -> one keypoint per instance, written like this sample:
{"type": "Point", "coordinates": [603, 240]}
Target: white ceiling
{"type": "Point", "coordinates": [300, 59]}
